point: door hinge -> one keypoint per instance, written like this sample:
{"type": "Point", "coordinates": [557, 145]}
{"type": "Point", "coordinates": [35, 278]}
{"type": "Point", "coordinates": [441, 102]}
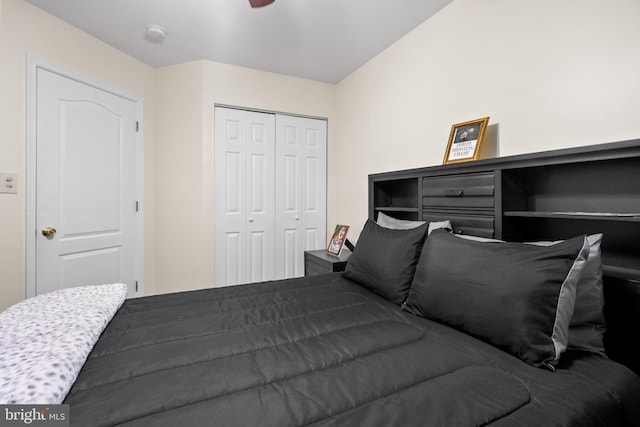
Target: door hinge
{"type": "Point", "coordinates": [137, 126]}
{"type": "Point", "coordinates": [136, 286]}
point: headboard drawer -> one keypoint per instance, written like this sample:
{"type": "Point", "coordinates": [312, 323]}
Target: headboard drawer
{"type": "Point", "coordinates": [475, 190]}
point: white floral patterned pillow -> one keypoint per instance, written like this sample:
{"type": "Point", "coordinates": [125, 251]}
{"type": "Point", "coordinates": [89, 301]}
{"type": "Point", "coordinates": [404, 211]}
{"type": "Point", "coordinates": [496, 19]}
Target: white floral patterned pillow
{"type": "Point", "coordinates": [45, 340]}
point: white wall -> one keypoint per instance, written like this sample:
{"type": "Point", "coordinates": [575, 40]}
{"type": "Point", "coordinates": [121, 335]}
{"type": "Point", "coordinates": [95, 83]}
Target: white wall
{"type": "Point", "coordinates": [26, 29]}
{"type": "Point", "coordinates": [550, 74]}
{"type": "Point", "coordinates": [178, 120]}
{"type": "Point", "coordinates": [186, 96]}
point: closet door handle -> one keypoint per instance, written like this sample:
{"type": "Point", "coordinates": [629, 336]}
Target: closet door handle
{"type": "Point", "coordinates": [297, 218]}
{"type": "Point", "coordinates": [453, 193]}
{"type": "Point", "coordinates": [250, 219]}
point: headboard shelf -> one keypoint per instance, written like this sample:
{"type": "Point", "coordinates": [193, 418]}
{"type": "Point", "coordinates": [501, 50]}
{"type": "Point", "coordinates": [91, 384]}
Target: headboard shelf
{"type": "Point", "coordinates": [540, 196]}
{"type": "Point", "coordinates": [629, 276]}
{"type": "Point", "coordinates": [577, 215]}
{"type": "Point", "coordinates": [398, 196]}
{"type": "Point", "coordinates": [395, 209]}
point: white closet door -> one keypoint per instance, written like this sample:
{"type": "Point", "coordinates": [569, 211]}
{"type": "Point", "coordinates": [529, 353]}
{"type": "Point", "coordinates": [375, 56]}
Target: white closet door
{"type": "Point", "coordinates": [244, 199]}
{"type": "Point", "coordinates": [301, 191]}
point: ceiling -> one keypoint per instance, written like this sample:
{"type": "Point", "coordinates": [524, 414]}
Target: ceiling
{"type": "Point", "coordinates": [322, 40]}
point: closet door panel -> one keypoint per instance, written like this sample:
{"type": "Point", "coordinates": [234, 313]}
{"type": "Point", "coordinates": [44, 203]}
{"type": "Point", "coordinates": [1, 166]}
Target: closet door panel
{"type": "Point", "coordinates": [289, 185]}
{"type": "Point", "coordinates": [233, 271]}
{"type": "Point", "coordinates": [260, 198]}
{"type": "Point", "coordinates": [315, 184]}
{"type": "Point", "coordinates": [311, 185]}
{"type": "Point", "coordinates": [244, 196]}
{"type": "Point", "coordinates": [311, 238]}
{"type": "Point", "coordinates": [287, 198]}
{"type": "Point", "coordinates": [233, 183]}
{"type": "Point", "coordinates": [300, 191]}
{"type": "Point", "coordinates": [258, 255]}
{"type": "Point", "coordinates": [289, 254]}
{"type": "Point", "coordinates": [230, 246]}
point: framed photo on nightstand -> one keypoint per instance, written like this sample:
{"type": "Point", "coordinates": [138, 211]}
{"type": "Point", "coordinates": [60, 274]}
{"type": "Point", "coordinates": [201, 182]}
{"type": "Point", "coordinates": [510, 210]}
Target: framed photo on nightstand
{"type": "Point", "coordinates": [337, 240]}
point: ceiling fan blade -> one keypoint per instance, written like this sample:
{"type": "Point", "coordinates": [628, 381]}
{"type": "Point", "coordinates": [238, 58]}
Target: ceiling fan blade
{"type": "Point", "coordinates": [260, 3]}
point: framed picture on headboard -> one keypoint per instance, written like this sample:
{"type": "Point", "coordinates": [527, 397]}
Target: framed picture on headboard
{"type": "Point", "coordinates": [465, 141]}
{"type": "Point", "coordinates": [337, 240]}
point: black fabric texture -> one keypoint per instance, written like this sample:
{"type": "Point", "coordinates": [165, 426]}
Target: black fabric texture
{"type": "Point", "coordinates": [503, 293]}
{"type": "Point", "coordinates": [384, 260]}
{"type": "Point", "coordinates": [325, 351]}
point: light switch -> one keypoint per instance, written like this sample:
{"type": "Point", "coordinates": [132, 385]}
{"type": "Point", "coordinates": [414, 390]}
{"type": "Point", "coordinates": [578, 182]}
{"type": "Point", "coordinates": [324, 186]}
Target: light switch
{"type": "Point", "coordinates": [8, 182]}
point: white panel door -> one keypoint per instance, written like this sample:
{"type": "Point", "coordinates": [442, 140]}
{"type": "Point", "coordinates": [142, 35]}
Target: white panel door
{"type": "Point", "coordinates": [301, 165]}
{"type": "Point", "coordinates": [85, 185]}
{"type": "Point", "coordinates": [244, 200]}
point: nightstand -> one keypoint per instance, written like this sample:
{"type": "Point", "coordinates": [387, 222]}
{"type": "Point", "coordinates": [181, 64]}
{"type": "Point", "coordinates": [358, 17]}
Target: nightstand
{"type": "Point", "coordinates": [320, 262]}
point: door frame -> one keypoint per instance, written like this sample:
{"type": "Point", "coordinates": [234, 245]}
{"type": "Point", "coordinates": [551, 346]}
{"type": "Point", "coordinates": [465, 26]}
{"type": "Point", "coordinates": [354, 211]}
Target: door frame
{"type": "Point", "coordinates": [33, 64]}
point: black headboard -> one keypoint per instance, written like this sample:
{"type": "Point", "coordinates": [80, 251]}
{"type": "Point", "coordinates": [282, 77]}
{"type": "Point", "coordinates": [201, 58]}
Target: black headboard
{"type": "Point", "coordinates": [541, 196]}
{"type": "Point", "coordinates": [622, 313]}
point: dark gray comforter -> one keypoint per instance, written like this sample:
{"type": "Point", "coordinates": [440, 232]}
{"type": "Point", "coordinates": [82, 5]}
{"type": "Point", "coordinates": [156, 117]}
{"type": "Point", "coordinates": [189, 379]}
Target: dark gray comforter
{"type": "Point", "coordinates": [322, 350]}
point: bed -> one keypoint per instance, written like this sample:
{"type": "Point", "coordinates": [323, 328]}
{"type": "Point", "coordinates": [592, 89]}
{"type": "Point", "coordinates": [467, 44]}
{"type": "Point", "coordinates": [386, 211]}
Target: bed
{"type": "Point", "coordinates": [425, 327]}
{"type": "Point", "coordinates": [338, 349]}
{"type": "Point", "coordinates": [323, 350]}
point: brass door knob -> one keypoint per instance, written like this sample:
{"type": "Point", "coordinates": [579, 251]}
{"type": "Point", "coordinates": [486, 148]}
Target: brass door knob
{"type": "Point", "coordinates": [48, 232]}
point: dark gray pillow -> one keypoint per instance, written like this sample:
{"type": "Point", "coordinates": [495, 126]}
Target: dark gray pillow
{"type": "Point", "coordinates": [515, 296]}
{"type": "Point", "coordinates": [384, 260]}
{"type": "Point", "coordinates": [588, 325]}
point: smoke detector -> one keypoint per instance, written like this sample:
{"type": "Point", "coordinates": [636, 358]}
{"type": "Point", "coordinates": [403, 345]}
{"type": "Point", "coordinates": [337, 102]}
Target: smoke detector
{"type": "Point", "coordinates": [155, 33]}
